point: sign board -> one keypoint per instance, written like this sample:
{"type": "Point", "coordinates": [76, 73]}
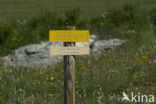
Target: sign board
{"type": "Point", "coordinates": [69, 36]}
{"type": "Point", "coordinates": [69, 51]}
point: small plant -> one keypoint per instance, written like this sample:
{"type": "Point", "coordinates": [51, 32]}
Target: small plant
{"type": "Point", "coordinates": [5, 31]}
{"type": "Point", "coordinates": [72, 17]}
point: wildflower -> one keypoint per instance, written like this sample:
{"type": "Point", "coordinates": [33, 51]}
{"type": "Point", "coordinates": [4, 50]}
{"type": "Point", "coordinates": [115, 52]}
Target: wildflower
{"type": "Point", "coordinates": [31, 102]}
{"type": "Point", "coordinates": [41, 72]}
{"type": "Point", "coordinates": [52, 78]}
{"type": "Point", "coordinates": [145, 58]}
{"type": "Point", "coordinates": [51, 94]}
{"type": "Point", "coordinates": [147, 83]}
{"type": "Point", "coordinates": [77, 86]}
{"type": "Point", "coordinates": [62, 84]}
{"type": "Point", "coordinates": [142, 74]}
{"type": "Point", "coordinates": [140, 61]}
{"type": "Point", "coordinates": [94, 99]}
{"type": "Point", "coordinates": [155, 61]}
{"type": "Point", "coordinates": [34, 83]}
{"type": "Point", "coordinates": [135, 76]}
{"type": "Point", "coordinates": [137, 58]}
{"type": "Point", "coordinates": [38, 83]}
{"type": "Point", "coordinates": [15, 39]}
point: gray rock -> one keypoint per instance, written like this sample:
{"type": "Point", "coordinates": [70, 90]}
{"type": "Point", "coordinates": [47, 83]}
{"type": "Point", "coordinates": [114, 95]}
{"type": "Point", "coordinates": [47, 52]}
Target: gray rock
{"type": "Point", "coordinates": [39, 54]}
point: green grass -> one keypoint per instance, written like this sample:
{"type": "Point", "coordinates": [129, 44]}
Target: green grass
{"type": "Point", "coordinates": [26, 9]}
{"type": "Point", "coordinates": [102, 78]}
{"type": "Point", "coordinates": [128, 22]}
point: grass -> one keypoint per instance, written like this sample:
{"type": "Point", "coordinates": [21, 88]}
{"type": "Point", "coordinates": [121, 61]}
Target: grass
{"type": "Point", "coordinates": [127, 22]}
{"type": "Point", "coordinates": [100, 79]}
{"type": "Point", "coordinates": [27, 9]}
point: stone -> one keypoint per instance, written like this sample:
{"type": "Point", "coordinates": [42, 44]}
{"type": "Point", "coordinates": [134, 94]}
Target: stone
{"type": "Point", "coordinates": [39, 54]}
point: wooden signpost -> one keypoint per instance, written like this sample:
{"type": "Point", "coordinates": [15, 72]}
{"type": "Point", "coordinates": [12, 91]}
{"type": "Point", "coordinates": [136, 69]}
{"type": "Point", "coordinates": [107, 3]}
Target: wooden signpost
{"type": "Point", "coordinates": [69, 36]}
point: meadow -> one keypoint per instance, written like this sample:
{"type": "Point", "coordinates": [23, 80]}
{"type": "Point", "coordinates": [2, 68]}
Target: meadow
{"type": "Point", "coordinates": [27, 9]}
{"type": "Point", "coordinates": [100, 79]}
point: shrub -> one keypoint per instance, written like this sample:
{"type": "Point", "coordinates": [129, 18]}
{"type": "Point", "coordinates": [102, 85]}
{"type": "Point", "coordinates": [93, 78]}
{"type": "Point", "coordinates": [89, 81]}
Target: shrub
{"type": "Point", "coordinates": [5, 31]}
{"type": "Point", "coordinates": [152, 14]}
{"type": "Point", "coordinates": [116, 22]}
{"type": "Point", "coordinates": [72, 17]}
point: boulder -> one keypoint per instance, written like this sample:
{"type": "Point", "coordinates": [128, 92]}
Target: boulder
{"type": "Point", "coordinates": [39, 54]}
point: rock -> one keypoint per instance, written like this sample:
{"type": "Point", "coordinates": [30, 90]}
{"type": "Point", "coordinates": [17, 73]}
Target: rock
{"type": "Point", "coordinates": [39, 54]}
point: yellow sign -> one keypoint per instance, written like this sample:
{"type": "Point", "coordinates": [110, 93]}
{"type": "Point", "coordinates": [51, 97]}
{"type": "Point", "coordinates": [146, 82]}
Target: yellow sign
{"type": "Point", "coordinates": [69, 51]}
{"type": "Point", "coordinates": [69, 36]}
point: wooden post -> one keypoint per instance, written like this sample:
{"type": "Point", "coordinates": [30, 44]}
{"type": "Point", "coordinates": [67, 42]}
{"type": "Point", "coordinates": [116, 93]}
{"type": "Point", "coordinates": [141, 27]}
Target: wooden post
{"type": "Point", "coordinates": [69, 73]}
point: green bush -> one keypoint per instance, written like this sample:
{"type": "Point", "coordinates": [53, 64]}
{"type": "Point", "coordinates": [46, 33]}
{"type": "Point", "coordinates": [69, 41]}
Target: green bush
{"type": "Point", "coordinates": [152, 14]}
{"type": "Point", "coordinates": [72, 17]}
{"type": "Point", "coordinates": [128, 22]}
{"type": "Point", "coordinates": [5, 31]}
{"type": "Point", "coordinates": [122, 22]}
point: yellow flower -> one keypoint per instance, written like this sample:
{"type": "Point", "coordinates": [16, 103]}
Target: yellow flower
{"type": "Point", "coordinates": [77, 82]}
{"type": "Point", "coordinates": [135, 76]}
{"type": "Point", "coordinates": [147, 83]}
{"type": "Point", "coordinates": [145, 57]}
{"type": "Point", "coordinates": [50, 94]}
{"type": "Point", "coordinates": [137, 58]}
{"type": "Point", "coordinates": [140, 61]}
{"type": "Point", "coordinates": [52, 78]}
{"type": "Point", "coordinates": [62, 84]}
{"type": "Point", "coordinates": [41, 72]}
{"type": "Point", "coordinates": [155, 61]}
{"type": "Point", "coordinates": [38, 83]}
{"type": "Point", "coordinates": [15, 39]}
{"type": "Point", "coordinates": [34, 83]}
{"type": "Point", "coordinates": [105, 54]}
{"type": "Point", "coordinates": [31, 102]}
{"type": "Point", "coordinates": [142, 74]}
{"type": "Point", "coordinates": [94, 99]}
{"type": "Point", "coordinates": [77, 86]}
